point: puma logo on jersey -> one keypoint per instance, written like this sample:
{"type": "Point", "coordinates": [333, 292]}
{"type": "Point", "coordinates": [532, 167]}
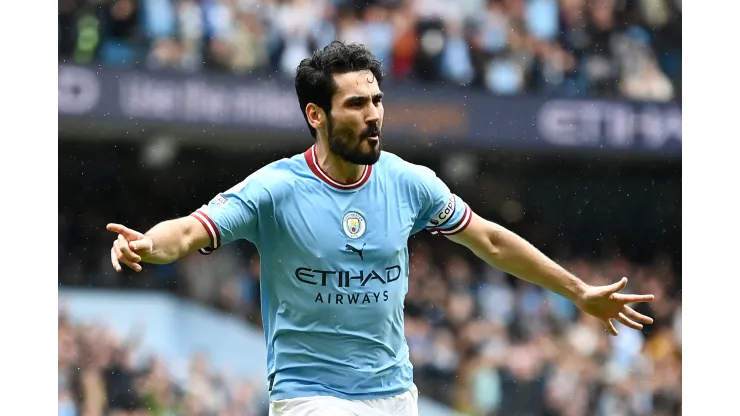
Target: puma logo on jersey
{"type": "Point", "coordinates": [351, 248]}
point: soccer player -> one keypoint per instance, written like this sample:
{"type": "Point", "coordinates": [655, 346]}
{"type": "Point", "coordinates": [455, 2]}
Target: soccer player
{"type": "Point", "coordinates": [331, 226]}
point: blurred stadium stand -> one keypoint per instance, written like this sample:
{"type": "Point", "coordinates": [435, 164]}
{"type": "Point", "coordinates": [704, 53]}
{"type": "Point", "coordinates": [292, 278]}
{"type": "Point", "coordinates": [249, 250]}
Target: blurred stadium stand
{"type": "Point", "coordinates": [559, 119]}
{"type": "Point", "coordinates": [577, 48]}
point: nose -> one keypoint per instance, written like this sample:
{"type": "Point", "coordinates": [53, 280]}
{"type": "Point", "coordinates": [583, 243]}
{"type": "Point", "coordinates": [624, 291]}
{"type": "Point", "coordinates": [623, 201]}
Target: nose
{"type": "Point", "coordinates": [373, 114]}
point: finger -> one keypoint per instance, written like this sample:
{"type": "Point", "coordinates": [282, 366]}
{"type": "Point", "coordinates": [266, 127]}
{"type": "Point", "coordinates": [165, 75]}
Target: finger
{"type": "Point", "coordinates": [114, 260]}
{"type": "Point", "coordinates": [117, 250]}
{"type": "Point", "coordinates": [631, 313]}
{"type": "Point", "coordinates": [633, 298]}
{"type": "Point", "coordinates": [616, 287]}
{"type": "Point", "coordinates": [127, 253]}
{"type": "Point", "coordinates": [145, 245]}
{"type": "Point", "coordinates": [125, 231]}
{"type": "Point", "coordinates": [610, 327]}
{"type": "Point", "coordinates": [628, 322]}
{"type": "Point", "coordinates": [116, 228]}
{"type": "Point", "coordinates": [131, 265]}
{"type": "Point", "coordinates": [121, 258]}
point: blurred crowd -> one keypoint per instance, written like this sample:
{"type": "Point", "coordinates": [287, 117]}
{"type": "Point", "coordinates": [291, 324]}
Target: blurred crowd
{"type": "Point", "coordinates": [480, 341]}
{"type": "Point", "coordinates": [606, 48]}
{"type": "Point", "coordinates": [101, 373]}
{"type": "Point", "coordinates": [488, 344]}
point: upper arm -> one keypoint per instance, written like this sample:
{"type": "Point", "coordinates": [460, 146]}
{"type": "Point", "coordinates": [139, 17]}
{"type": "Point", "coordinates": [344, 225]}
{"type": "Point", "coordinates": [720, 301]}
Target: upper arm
{"type": "Point", "coordinates": [195, 233]}
{"type": "Point", "coordinates": [231, 215]}
{"type": "Point", "coordinates": [477, 236]}
{"type": "Point", "coordinates": [441, 212]}
{"type": "Point", "coordinates": [444, 213]}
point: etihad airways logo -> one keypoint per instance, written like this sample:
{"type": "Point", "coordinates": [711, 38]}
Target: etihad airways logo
{"type": "Point", "coordinates": [346, 278]}
{"type": "Point", "coordinates": [332, 279]}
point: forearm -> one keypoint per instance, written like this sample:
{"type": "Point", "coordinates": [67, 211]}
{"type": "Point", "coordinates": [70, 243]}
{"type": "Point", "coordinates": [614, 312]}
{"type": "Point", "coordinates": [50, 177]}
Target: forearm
{"type": "Point", "coordinates": [173, 239]}
{"type": "Point", "coordinates": [507, 251]}
{"type": "Point", "coordinates": [518, 257]}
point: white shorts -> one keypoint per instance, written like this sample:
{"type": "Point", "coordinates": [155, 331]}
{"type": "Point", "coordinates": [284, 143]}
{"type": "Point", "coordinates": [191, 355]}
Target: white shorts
{"type": "Point", "coordinates": [404, 404]}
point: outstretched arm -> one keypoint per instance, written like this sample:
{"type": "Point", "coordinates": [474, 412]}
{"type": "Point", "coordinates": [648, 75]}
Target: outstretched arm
{"type": "Point", "coordinates": [507, 251]}
{"type": "Point", "coordinates": [229, 216]}
{"type": "Point", "coordinates": [162, 244]}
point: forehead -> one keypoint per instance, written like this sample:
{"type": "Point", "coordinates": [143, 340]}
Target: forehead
{"type": "Point", "coordinates": [361, 83]}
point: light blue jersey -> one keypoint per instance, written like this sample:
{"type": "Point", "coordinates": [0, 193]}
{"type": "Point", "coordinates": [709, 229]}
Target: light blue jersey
{"type": "Point", "coordinates": [334, 268]}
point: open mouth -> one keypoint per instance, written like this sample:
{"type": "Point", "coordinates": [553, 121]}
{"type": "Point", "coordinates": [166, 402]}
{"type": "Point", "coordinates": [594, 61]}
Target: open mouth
{"type": "Point", "coordinates": [373, 135]}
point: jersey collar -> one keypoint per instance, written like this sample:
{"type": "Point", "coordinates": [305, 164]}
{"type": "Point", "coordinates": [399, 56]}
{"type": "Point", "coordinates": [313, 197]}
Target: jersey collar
{"type": "Point", "coordinates": [313, 164]}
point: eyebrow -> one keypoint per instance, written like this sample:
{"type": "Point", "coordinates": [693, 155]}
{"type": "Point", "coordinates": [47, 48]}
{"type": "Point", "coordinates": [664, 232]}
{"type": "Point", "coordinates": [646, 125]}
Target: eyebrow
{"type": "Point", "coordinates": [357, 99]}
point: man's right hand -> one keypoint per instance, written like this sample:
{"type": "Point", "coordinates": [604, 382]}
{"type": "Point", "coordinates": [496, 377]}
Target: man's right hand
{"type": "Point", "coordinates": [130, 248]}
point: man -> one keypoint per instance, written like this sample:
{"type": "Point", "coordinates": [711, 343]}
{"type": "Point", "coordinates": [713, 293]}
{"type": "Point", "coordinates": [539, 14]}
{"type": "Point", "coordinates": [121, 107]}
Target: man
{"type": "Point", "coordinates": [331, 226]}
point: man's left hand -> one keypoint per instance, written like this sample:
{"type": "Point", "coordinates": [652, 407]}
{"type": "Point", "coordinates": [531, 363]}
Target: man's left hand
{"type": "Point", "coordinates": [605, 304]}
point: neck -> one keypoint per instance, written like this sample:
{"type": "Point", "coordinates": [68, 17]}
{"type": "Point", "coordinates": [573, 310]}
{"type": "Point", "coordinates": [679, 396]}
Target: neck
{"type": "Point", "coordinates": [337, 168]}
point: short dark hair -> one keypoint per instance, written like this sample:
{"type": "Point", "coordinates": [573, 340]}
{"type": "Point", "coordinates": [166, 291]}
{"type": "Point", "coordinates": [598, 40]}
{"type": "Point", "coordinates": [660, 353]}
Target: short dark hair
{"type": "Point", "coordinates": [314, 82]}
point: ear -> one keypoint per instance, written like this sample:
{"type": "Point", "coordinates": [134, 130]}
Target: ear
{"type": "Point", "coordinates": [316, 116]}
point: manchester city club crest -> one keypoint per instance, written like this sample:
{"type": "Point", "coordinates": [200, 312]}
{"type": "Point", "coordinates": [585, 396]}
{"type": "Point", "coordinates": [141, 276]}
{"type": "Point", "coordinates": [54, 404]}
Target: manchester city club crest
{"type": "Point", "coordinates": [354, 225]}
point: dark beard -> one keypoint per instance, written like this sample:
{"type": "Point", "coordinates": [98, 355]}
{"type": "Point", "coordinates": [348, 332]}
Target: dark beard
{"type": "Point", "coordinates": [338, 144]}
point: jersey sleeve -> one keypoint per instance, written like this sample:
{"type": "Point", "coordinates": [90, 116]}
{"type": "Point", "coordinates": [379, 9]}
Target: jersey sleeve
{"type": "Point", "coordinates": [231, 215]}
{"type": "Point", "coordinates": [442, 212]}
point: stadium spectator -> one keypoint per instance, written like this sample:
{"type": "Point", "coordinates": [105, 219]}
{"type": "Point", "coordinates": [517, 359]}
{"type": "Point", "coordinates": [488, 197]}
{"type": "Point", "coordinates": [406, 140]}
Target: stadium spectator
{"type": "Point", "coordinates": [102, 374]}
{"type": "Point", "coordinates": [628, 48]}
{"type": "Point", "coordinates": [520, 359]}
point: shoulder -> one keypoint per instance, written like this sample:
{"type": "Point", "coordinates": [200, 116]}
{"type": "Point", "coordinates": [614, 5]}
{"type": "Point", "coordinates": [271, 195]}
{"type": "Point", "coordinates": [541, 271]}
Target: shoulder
{"type": "Point", "coordinates": [271, 180]}
{"type": "Point", "coordinates": [405, 171]}
{"type": "Point", "coordinates": [414, 177]}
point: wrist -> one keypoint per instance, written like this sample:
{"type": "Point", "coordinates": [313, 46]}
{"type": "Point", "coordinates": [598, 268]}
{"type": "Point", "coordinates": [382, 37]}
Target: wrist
{"type": "Point", "coordinates": [578, 291]}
